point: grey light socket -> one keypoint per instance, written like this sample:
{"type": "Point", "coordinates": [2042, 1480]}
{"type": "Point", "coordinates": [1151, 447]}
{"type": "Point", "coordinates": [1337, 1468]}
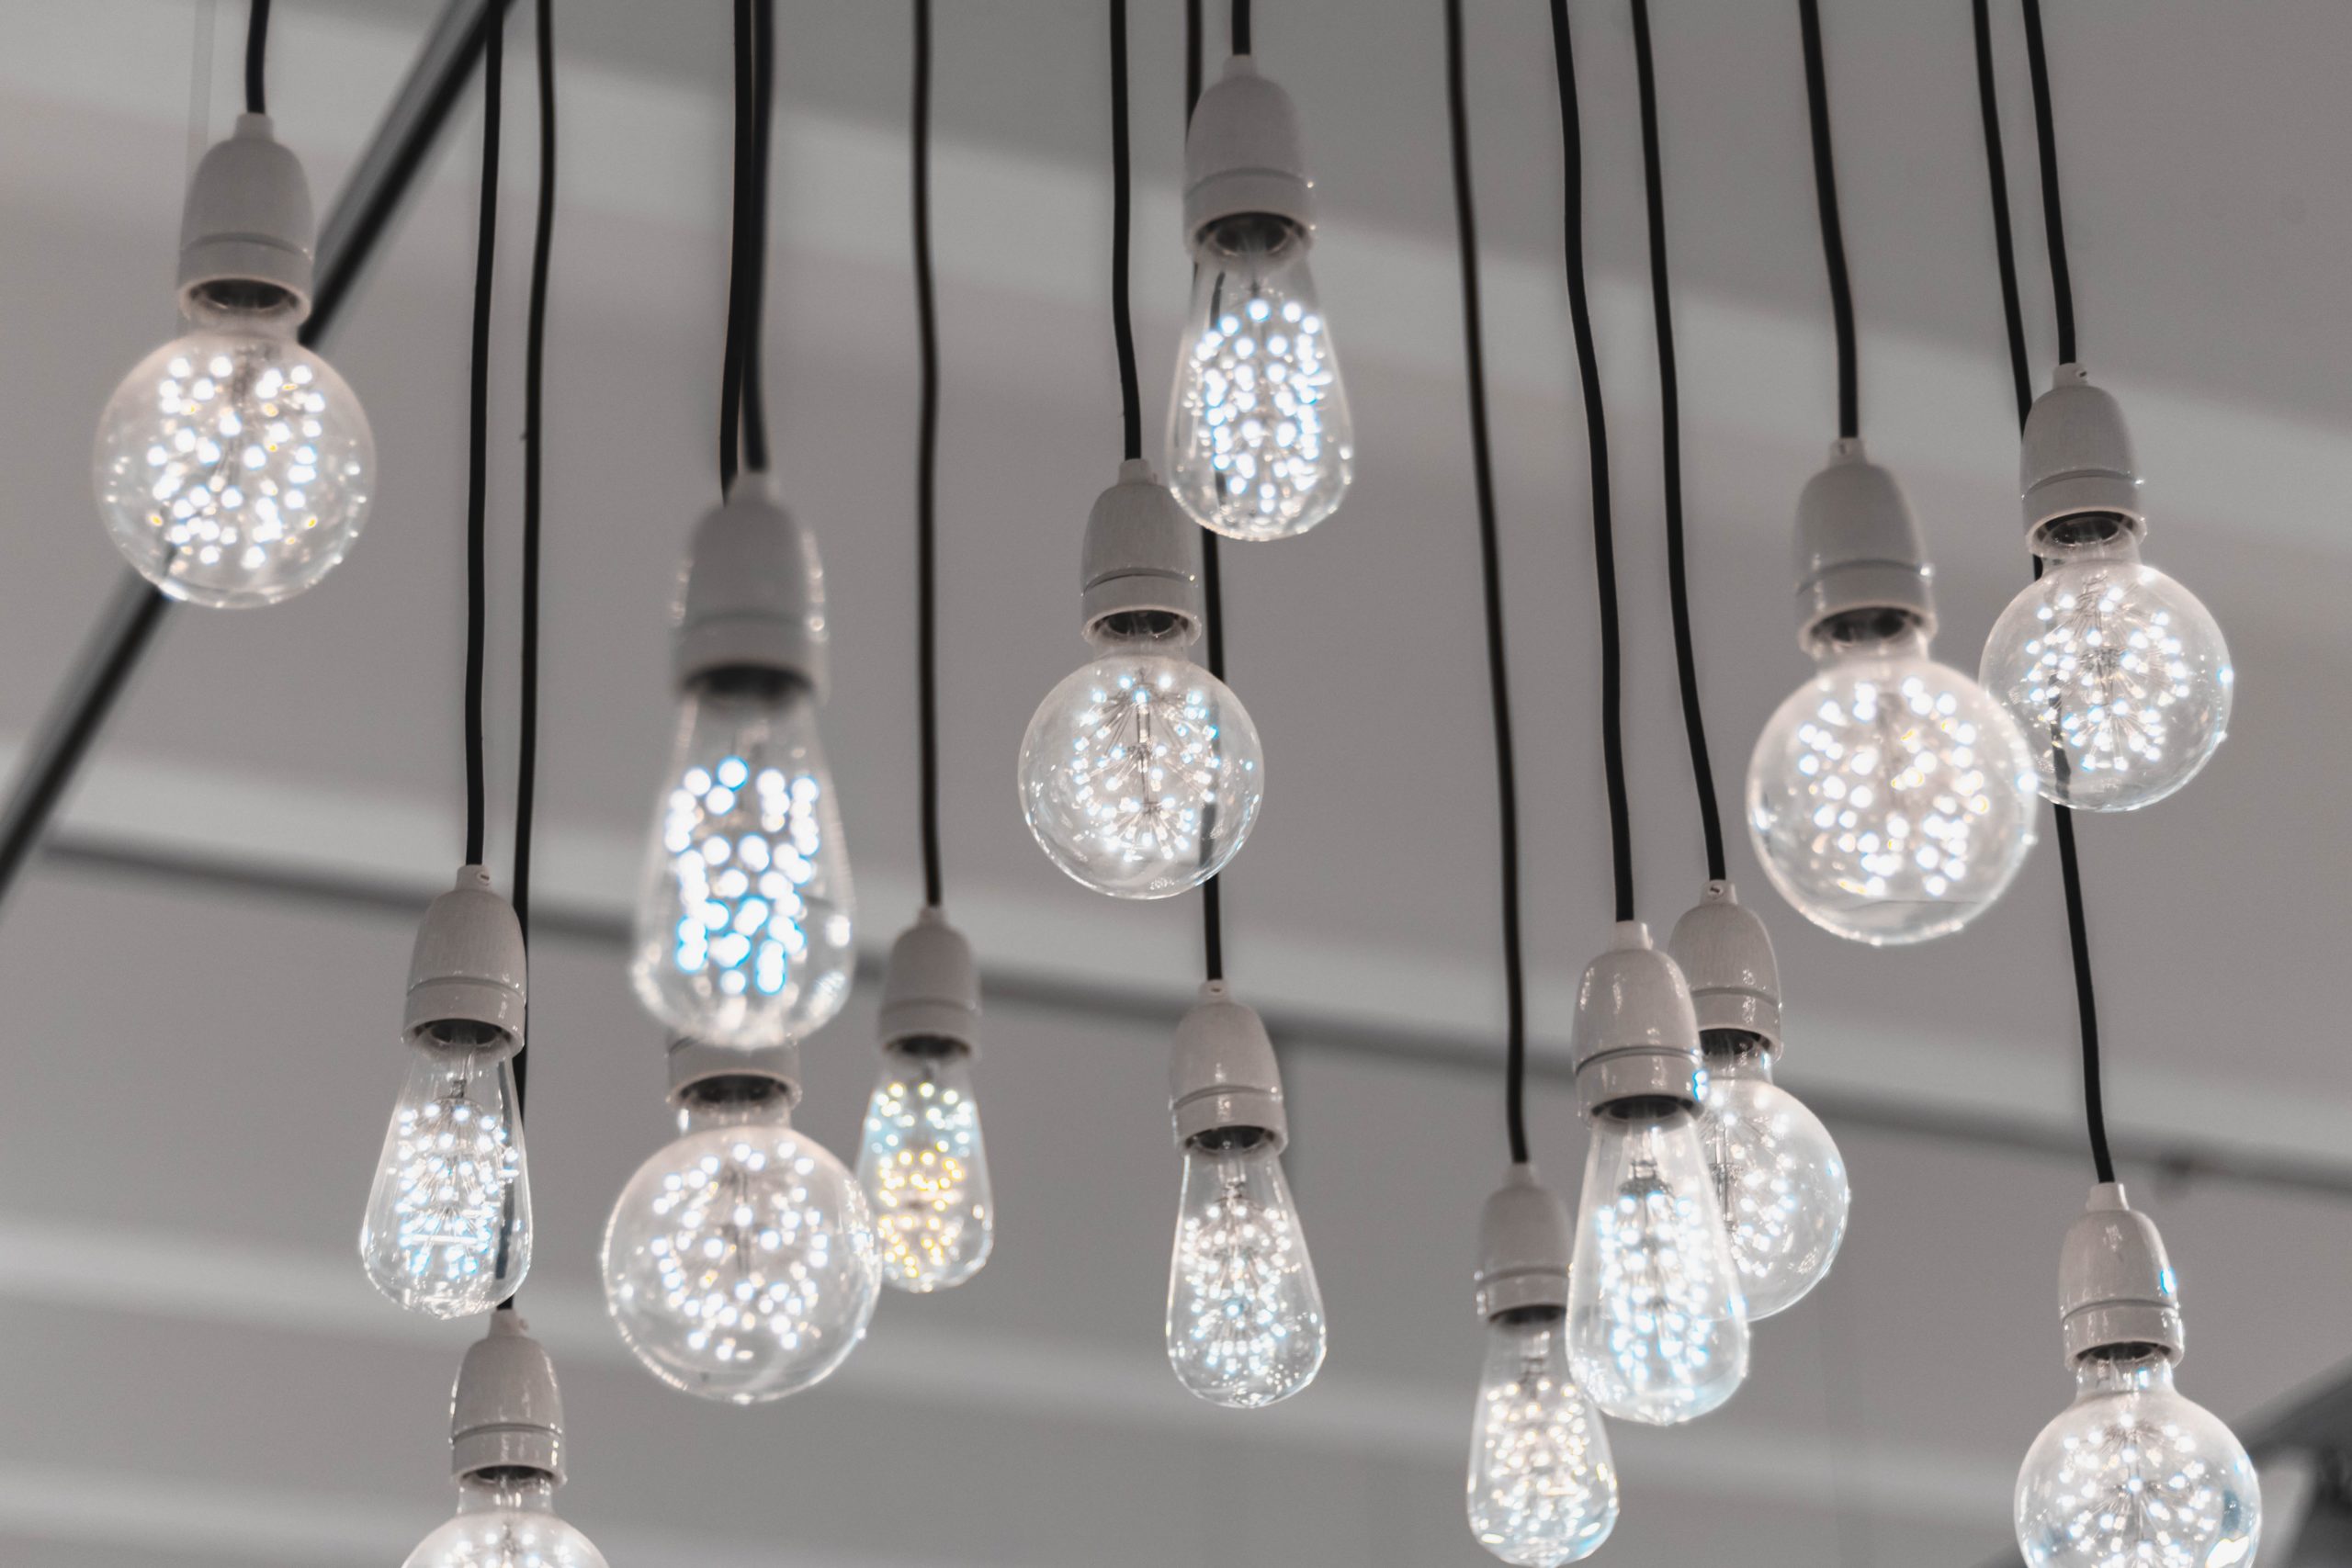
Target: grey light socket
{"type": "Point", "coordinates": [1222, 1076]}
{"type": "Point", "coordinates": [1857, 549]}
{"type": "Point", "coordinates": [1141, 562]}
{"type": "Point", "coordinates": [2077, 459]}
{"type": "Point", "coordinates": [466, 975]}
{"type": "Point", "coordinates": [2115, 1285]}
{"type": "Point", "coordinates": [1524, 1246]}
{"type": "Point", "coordinates": [1635, 1036]}
{"type": "Point", "coordinates": [506, 1413]}
{"type": "Point", "coordinates": [930, 992]}
{"type": "Point", "coordinates": [1243, 155]}
{"type": "Point", "coordinates": [754, 595]}
{"type": "Point", "coordinates": [697, 1064]}
{"type": "Point", "coordinates": [1726, 959]}
{"type": "Point", "coordinates": [247, 232]}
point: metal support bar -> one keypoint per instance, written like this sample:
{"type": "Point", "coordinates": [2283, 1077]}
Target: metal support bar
{"type": "Point", "coordinates": [363, 211]}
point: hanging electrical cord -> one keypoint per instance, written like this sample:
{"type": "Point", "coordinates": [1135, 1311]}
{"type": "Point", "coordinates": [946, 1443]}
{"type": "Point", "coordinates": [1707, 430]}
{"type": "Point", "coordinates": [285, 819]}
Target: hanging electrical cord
{"type": "Point", "coordinates": [1212, 567]}
{"type": "Point", "coordinates": [2062, 291]}
{"type": "Point", "coordinates": [1833, 234]}
{"type": "Point", "coordinates": [256, 55]}
{"type": "Point", "coordinates": [1474, 354]}
{"type": "Point", "coordinates": [1241, 27]}
{"type": "Point", "coordinates": [742, 413]}
{"type": "Point", "coordinates": [926, 471]}
{"type": "Point", "coordinates": [1596, 430]}
{"type": "Point", "coordinates": [1123, 327]}
{"type": "Point", "coordinates": [478, 439]}
{"type": "Point", "coordinates": [1669, 400]}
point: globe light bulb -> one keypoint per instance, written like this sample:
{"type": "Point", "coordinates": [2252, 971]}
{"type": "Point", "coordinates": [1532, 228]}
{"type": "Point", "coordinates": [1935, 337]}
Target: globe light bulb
{"type": "Point", "coordinates": [744, 914]}
{"type": "Point", "coordinates": [1141, 774]}
{"type": "Point", "coordinates": [448, 1223]}
{"type": "Point", "coordinates": [2118, 676]}
{"type": "Point", "coordinates": [924, 1173]}
{"type": "Point", "coordinates": [1245, 1319]}
{"type": "Point", "coordinates": [1658, 1329]}
{"type": "Point", "coordinates": [1260, 442]}
{"type": "Point", "coordinates": [1777, 1176]}
{"type": "Point", "coordinates": [1543, 1489]}
{"type": "Point", "coordinates": [233, 467]}
{"type": "Point", "coordinates": [2134, 1476]}
{"type": "Point", "coordinates": [505, 1522]}
{"type": "Point", "coordinates": [1889, 798]}
{"type": "Point", "coordinates": [740, 1263]}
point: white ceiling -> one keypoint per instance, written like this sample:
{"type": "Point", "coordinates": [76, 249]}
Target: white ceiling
{"type": "Point", "coordinates": [201, 1073]}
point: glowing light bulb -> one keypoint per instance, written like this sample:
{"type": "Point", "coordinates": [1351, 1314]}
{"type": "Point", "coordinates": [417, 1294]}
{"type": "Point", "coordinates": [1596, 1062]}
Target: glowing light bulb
{"type": "Point", "coordinates": [1543, 1489]}
{"type": "Point", "coordinates": [2115, 673]}
{"type": "Point", "coordinates": [1141, 774]}
{"type": "Point", "coordinates": [1260, 442]}
{"type": "Point", "coordinates": [1245, 1319]}
{"type": "Point", "coordinates": [744, 915]}
{"type": "Point", "coordinates": [233, 466]}
{"type": "Point", "coordinates": [505, 1522]}
{"type": "Point", "coordinates": [924, 1172]}
{"type": "Point", "coordinates": [448, 1223]}
{"type": "Point", "coordinates": [1778, 1179]}
{"type": "Point", "coordinates": [1658, 1329]}
{"type": "Point", "coordinates": [2134, 1476]}
{"type": "Point", "coordinates": [1889, 798]}
{"type": "Point", "coordinates": [740, 1263]}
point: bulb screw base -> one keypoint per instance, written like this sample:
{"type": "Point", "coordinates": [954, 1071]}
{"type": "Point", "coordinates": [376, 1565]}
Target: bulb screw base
{"type": "Point", "coordinates": [467, 976]}
{"type": "Point", "coordinates": [506, 1413]}
{"type": "Point", "coordinates": [1858, 553]}
{"type": "Point", "coordinates": [697, 1065]}
{"type": "Point", "coordinates": [1524, 1244]}
{"type": "Point", "coordinates": [1635, 1035]}
{"type": "Point", "coordinates": [1725, 956]}
{"type": "Point", "coordinates": [1243, 155]}
{"type": "Point", "coordinates": [755, 595]}
{"type": "Point", "coordinates": [2115, 1285]}
{"type": "Point", "coordinates": [930, 992]}
{"type": "Point", "coordinates": [1140, 569]}
{"type": "Point", "coordinates": [1222, 1076]}
{"type": "Point", "coordinates": [247, 231]}
{"type": "Point", "coordinates": [2076, 460]}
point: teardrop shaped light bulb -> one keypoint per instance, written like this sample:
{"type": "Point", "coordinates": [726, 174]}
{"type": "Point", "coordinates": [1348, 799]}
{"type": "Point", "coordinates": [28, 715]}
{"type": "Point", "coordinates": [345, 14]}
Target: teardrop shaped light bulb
{"type": "Point", "coordinates": [448, 1223]}
{"type": "Point", "coordinates": [1261, 445]}
{"type": "Point", "coordinates": [1542, 1487]}
{"type": "Point", "coordinates": [1778, 1178]}
{"type": "Point", "coordinates": [924, 1172]}
{"type": "Point", "coordinates": [1658, 1329]}
{"type": "Point", "coordinates": [1245, 1319]}
{"type": "Point", "coordinates": [506, 1523]}
{"type": "Point", "coordinates": [744, 914]}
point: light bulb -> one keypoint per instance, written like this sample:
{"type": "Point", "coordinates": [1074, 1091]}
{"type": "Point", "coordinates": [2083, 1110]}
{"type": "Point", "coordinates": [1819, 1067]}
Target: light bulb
{"type": "Point", "coordinates": [740, 1263]}
{"type": "Point", "coordinates": [1658, 1329]}
{"type": "Point", "coordinates": [2132, 1475]}
{"type": "Point", "coordinates": [233, 466]}
{"type": "Point", "coordinates": [744, 914]}
{"type": "Point", "coordinates": [1141, 773]}
{"type": "Point", "coordinates": [505, 1522]}
{"type": "Point", "coordinates": [2118, 676]}
{"type": "Point", "coordinates": [448, 1223]}
{"type": "Point", "coordinates": [1542, 1490]}
{"type": "Point", "coordinates": [1889, 798]}
{"type": "Point", "coordinates": [923, 1170]}
{"type": "Point", "coordinates": [1259, 443]}
{"type": "Point", "coordinates": [1245, 1319]}
{"type": "Point", "coordinates": [1778, 1179]}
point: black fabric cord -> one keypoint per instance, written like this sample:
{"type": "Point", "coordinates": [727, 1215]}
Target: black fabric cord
{"type": "Point", "coordinates": [1474, 354]}
{"type": "Point", "coordinates": [478, 439]}
{"type": "Point", "coordinates": [1191, 58]}
{"type": "Point", "coordinates": [1123, 326]}
{"type": "Point", "coordinates": [1832, 233]}
{"type": "Point", "coordinates": [1241, 27]}
{"type": "Point", "coordinates": [755, 322]}
{"type": "Point", "coordinates": [1669, 400]}
{"type": "Point", "coordinates": [926, 467]}
{"type": "Point", "coordinates": [1596, 434]}
{"type": "Point", "coordinates": [256, 54]}
{"type": "Point", "coordinates": [742, 414]}
{"type": "Point", "coordinates": [2053, 215]}
{"type": "Point", "coordinates": [2069, 863]}
{"type": "Point", "coordinates": [1212, 568]}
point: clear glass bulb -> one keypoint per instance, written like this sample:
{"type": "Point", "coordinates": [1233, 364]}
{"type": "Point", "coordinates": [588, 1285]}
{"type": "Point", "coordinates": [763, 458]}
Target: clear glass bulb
{"type": "Point", "coordinates": [1658, 1329]}
{"type": "Point", "coordinates": [2117, 675]}
{"type": "Point", "coordinates": [744, 914]}
{"type": "Point", "coordinates": [1889, 798]}
{"type": "Point", "coordinates": [505, 1522]}
{"type": "Point", "coordinates": [1141, 773]}
{"type": "Point", "coordinates": [2132, 1475]}
{"type": "Point", "coordinates": [448, 1224]}
{"type": "Point", "coordinates": [1778, 1179]}
{"type": "Point", "coordinates": [233, 466]}
{"type": "Point", "coordinates": [924, 1169]}
{"type": "Point", "coordinates": [1245, 1319]}
{"type": "Point", "coordinates": [1259, 443]}
{"type": "Point", "coordinates": [740, 1263]}
{"type": "Point", "coordinates": [1542, 1490]}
